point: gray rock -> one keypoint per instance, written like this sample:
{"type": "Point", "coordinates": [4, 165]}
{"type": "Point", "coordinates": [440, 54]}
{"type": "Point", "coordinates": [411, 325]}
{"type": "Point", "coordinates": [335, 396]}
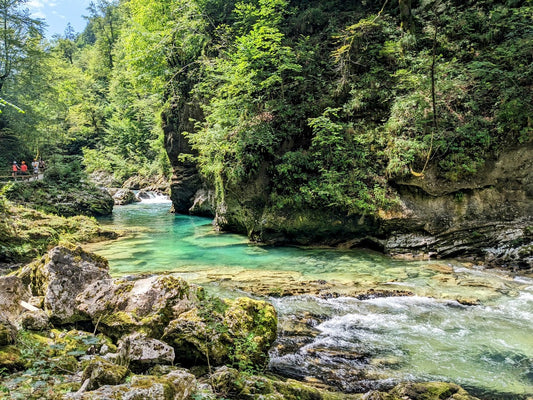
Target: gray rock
{"type": "Point", "coordinates": [177, 385]}
{"type": "Point", "coordinates": [203, 203]}
{"type": "Point", "coordinates": [141, 352]}
{"type": "Point", "coordinates": [34, 320]}
{"type": "Point", "coordinates": [146, 305]}
{"type": "Point", "coordinates": [123, 197]}
{"type": "Point", "coordinates": [60, 276]}
{"type": "Point", "coordinates": [12, 292]}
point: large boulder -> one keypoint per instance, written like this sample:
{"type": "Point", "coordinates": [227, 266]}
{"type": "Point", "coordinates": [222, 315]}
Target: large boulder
{"type": "Point", "coordinates": [60, 276]}
{"type": "Point", "coordinates": [239, 331]}
{"type": "Point", "coordinates": [146, 305]}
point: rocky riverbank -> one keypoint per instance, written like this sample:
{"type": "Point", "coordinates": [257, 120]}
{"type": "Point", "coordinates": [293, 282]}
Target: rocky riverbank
{"type": "Point", "coordinates": [70, 331]}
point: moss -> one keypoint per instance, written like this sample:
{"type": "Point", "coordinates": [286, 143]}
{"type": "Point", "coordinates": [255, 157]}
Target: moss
{"type": "Point", "coordinates": [27, 233]}
{"type": "Point", "coordinates": [101, 372]}
{"type": "Point", "coordinates": [11, 359]}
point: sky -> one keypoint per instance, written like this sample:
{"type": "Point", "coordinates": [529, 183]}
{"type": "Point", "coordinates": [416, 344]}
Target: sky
{"type": "Point", "coordinates": [57, 13]}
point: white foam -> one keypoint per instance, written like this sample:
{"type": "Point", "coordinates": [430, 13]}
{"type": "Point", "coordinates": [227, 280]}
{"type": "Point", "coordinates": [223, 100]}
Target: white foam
{"type": "Point", "coordinates": [156, 198]}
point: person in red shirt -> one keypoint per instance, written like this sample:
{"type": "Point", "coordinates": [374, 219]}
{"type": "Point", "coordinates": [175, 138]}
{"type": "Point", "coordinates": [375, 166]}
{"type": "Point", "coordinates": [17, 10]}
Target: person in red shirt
{"type": "Point", "coordinates": [14, 170]}
{"type": "Point", "coordinates": [24, 168]}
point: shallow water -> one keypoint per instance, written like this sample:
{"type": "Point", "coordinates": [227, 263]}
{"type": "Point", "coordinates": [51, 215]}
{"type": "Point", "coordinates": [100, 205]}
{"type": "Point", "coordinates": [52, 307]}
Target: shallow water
{"type": "Point", "coordinates": [356, 344]}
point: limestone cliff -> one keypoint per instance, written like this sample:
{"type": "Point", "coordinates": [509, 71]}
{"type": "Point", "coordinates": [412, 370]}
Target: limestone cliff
{"type": "Point", "coordinates": [487, 217]}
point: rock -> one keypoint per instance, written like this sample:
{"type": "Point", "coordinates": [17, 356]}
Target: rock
{"type": "Point", "coordinates": [146, 305]}
{"type": "Point", "coordinates": [430, 391]}
{"type": "Point", "coordinates": [8, 332]}
{"type": "Point", "coordinates": [177, 385]}
{"type": "Point", "coordinates": [157, 183]}
{"type": "Point", "coordinates": [225, 381]}
{"type": "Point", "coordinates": [203, 203]}
{"type": "Point", "coordinates": [141, 353]}
{"type": "Point", "coordinates": [101, 372]}
{"type": "Point", "coordinates": [241, 330]}
{"type": "Point", "coordinates": [11, 359]}
{"type": "Point", "coordinates": [123, 197]}
{"type": "Point", "coordinates": [12, 292]}
{"type": "Point", "coordinates": [60, 276]}
{"type": "Point", "coordinates": [34, 320]}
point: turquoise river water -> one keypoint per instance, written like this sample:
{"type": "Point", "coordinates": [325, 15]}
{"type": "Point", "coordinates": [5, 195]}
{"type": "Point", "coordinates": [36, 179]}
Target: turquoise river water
{"type": "Point", "coordinates": [349, 343]}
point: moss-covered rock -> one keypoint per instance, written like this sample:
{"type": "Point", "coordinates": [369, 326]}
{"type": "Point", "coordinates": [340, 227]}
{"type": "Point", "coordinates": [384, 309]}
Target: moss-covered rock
{"type": "Point", "coordinates": [430, 391]}
{"type": "Point", "coordinates": [252, 327]}
{"type": "Point", "coordinates": [60, 276]}
{"type": "Point", "coordinates": [101, 372]}
{"type": "Point", "coordinates": [238, 331]}
{"type": "Point", "coordinates": [144, 305]}
{"type": "Point", "coordinates": [11, 358]}
{"type": "Point", "coordinates": [7, 332]}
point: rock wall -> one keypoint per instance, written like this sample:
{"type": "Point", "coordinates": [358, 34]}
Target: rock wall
{"type": "Point", "coordinates": [487, 217]}
{"type": "Point", "coordinates": [185, 181]}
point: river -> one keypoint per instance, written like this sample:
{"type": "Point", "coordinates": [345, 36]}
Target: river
{"type": "Point", "coordinates": [459, 323]}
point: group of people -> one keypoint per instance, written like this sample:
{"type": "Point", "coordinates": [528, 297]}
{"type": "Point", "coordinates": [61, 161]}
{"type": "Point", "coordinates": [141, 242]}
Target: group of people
{"type": "Point", "coordinates": [22, 169]}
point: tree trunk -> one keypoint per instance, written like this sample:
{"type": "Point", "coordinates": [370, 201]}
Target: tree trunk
{"type": "Point", "coordinates": [406, 18]}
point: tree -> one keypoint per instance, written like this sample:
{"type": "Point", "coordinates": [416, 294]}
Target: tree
{"type": "Point", "coordinates": [16, 29]}
{"type": "Point", "coordinates": [105, 17]}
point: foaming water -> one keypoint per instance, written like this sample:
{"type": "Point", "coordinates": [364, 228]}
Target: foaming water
{"type": "Point", "coordinates": [349, 343]}
{"type": "Point", "coordinates": [155, 198]}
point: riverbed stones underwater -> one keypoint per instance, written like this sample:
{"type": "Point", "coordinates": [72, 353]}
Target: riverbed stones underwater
{"type": "Point", "coordinates": [160, 324]}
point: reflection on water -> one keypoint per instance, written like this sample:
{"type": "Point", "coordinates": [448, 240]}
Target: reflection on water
{"type": "Point", "coordinates": [357, 344]}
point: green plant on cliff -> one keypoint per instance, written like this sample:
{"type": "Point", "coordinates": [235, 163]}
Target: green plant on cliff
{"type": "Point", "coordinates": [334, 101]}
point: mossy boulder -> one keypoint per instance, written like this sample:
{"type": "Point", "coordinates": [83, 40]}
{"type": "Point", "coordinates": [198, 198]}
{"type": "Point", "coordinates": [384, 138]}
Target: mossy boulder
{"type": "Point", "coordinates": [239, 331]}
{"type": "Point", "coordinates": [60, 276]}
{"type": "Point", "coordinates": [7, 332]}
{"type": "Point", "coordinates": [11, 359]}
{"type": "Point", "coordinates": [144, 305]}
{"type": "Point", "coordinates": [430, 391]}
{"type": "Point", "coordinates": [101, 372]}
{"type": "Point", "coordinates": [252, 326]}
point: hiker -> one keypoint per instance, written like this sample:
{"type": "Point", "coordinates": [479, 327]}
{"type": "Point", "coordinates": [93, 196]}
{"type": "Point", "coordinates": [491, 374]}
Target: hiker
{"type": "Point", "coordinates": [35, 165]}
{"type": "Point", "coordinates": [24, 168]}
{"type": "Point", "coordinates": [15, 168]}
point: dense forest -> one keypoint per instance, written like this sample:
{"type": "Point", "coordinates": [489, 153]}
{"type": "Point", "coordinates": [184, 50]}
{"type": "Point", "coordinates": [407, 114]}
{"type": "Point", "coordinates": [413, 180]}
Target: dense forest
{"type": "Point", "coordinates": [325, 103]}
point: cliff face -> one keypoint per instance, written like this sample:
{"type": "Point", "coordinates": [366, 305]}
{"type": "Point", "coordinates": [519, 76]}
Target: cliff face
{"type": "Point", "coordinates": [487, 217]}
{"type": "Point", "coordinates": [185, 180]}
{"type": "Point", "coordinates": [301, 140]}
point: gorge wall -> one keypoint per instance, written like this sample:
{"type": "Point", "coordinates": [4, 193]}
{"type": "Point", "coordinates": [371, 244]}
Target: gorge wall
{"type": "Point", "coordinates": [486, 217]}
